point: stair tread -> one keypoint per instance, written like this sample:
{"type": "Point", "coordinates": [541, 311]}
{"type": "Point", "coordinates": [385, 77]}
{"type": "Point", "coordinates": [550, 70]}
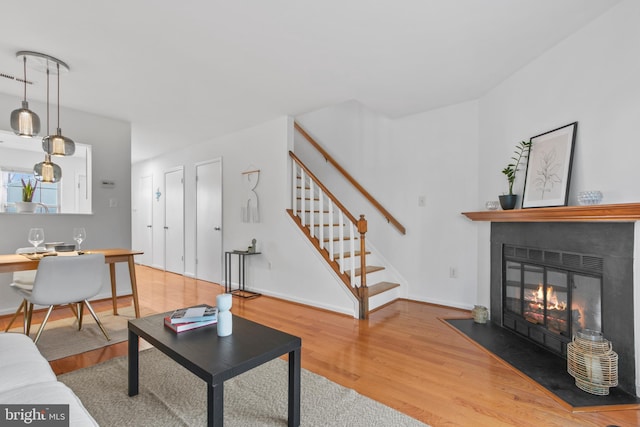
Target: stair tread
{"type": "Point", "coordinates": [348, 254]}
{"type": "Point", "coordinates": [368, 269]}
{"type": "Point", "coordinates": [381, 287]}
{"type": "Point", "coordinates": [337, 239]}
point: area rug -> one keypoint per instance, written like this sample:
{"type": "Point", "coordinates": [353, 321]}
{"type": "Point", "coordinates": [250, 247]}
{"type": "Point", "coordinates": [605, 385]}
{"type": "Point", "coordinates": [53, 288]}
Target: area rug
{"type": "Point", "coordinates": [172, 396]}
{"type": "Point", "coordinates": [61, 338]}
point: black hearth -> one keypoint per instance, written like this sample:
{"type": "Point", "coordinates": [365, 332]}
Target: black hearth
{"type": "Point", "coordinates": [549, 280]}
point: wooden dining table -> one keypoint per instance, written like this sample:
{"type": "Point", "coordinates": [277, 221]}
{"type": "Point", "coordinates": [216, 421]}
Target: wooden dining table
{"type": "Point", "coordinates": [19, 262]}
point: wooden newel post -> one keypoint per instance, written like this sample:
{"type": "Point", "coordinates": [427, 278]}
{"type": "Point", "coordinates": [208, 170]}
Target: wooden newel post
{"type": "Point", "coordinates": [363, 291]}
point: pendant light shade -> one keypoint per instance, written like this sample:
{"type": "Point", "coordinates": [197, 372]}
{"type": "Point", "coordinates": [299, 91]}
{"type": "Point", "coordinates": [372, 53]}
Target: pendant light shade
{"type": "Point", "coordinates": [57, 145]}
{"type": "Point", "coordinates": [25, 122]}
{"type": "Point", "coordinates": [47, 171]}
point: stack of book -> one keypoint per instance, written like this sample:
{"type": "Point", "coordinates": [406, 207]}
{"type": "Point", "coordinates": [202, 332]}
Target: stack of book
{"type": "Point", "coordinates": [185, 319]}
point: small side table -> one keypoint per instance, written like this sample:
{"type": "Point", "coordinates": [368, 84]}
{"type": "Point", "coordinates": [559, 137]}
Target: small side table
{"type": "Point", "coordinates": [241, 291]}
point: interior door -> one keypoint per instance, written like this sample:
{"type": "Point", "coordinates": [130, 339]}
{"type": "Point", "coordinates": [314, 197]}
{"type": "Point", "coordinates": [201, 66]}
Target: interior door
{"type": "Point", "coordinates": [209, 221]}
{"type": "Point", "coordinates": [174, 221]}
{"type": "Point", "coordinates": [144, 224]}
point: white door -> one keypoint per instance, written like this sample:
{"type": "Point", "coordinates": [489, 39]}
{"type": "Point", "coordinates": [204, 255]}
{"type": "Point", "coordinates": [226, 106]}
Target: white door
{"type": "Point", "coordinates": [144, 223]}
{"type": "Point", "coordinates": [174, 221]}
{"type": "Point", "coordinates": [209, 221]}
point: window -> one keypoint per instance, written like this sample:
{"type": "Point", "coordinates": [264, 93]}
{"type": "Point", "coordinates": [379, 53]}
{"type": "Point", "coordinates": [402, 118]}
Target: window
{"type": "Point", "coordinates": [46, 193]}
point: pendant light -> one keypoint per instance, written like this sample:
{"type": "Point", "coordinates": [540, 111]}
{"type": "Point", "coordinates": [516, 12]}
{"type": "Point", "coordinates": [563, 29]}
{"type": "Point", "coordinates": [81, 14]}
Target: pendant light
{"type": "Point", "coordinates": [47, 171]}
{"type": "Point", "coordinates": [57, 145]}
{"type": "Point", "coordinates": [25, 122]}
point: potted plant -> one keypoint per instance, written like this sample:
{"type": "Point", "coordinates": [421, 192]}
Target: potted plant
{"type": "Point", "coordinates": [508, 201]}
{"type": "Point", "coordinates": [28, 190]}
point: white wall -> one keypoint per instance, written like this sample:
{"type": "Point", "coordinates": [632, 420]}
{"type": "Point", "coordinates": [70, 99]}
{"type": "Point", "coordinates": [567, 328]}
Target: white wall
{"type": "Point", "coordinates": [454, 155]}
{"type": "Point", "coordinates": [287, 267]}
{"type": "Point", "coordinates": [432, 154]}
{"type": "Point", "coordinates": [591, 77]}
{"type": "Point", "coordinates": [107, 227]}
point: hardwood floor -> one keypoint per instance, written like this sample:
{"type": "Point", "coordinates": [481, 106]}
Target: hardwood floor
{"type": "Point", "coordinates": [403, 356]}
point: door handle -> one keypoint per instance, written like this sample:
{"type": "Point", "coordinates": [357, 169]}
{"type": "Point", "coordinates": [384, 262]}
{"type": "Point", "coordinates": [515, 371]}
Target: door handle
{"type": "Point", "coordinates": [216, 228]}
{"type": "Point", "coordinates": [149, 226]}
{"type": "Point", "coordinates": [166, 228]}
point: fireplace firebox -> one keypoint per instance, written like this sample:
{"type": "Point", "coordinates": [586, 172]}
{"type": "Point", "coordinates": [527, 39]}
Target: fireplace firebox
{"type": "Point", "coordinates": [552, 279]}
{"type": "Point", "coordinates": [550, 295]}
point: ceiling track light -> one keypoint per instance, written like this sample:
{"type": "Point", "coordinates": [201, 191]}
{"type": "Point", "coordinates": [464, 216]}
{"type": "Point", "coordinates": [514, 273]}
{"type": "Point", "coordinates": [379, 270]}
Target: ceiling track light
{"type": "Point", "coordinates": [25, 122]}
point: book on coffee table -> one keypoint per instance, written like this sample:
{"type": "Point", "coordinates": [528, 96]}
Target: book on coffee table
{"type": "Point", "coordinates": [187, 326]}
{"type": "Point", "coordinates": [199, 313]}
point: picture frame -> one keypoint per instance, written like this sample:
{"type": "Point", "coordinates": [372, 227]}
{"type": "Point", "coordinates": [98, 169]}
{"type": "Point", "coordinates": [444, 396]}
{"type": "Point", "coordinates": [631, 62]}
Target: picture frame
{"type": "Point", "coordinates": [549, 164]}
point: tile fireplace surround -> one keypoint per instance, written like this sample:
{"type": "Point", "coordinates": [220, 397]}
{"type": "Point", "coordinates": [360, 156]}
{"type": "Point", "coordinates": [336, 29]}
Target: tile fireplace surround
{"type": "Point", "coordinates": [608, 231]}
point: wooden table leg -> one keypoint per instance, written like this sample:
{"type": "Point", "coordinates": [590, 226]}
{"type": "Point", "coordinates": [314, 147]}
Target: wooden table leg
{"type": "Point", "coordinates": [134, 285]}
{"type": "Point", "coordinates": [114, 292]}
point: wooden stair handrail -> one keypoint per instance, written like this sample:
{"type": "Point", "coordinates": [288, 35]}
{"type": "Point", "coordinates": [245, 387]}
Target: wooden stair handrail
{"type": "Point", "coordinates": [390, 218]}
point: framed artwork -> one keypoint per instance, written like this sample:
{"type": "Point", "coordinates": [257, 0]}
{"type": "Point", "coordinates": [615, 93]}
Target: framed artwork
{"type": "Point", "coordinates": [549, 168]}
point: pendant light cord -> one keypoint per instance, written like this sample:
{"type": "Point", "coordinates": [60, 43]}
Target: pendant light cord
{"type": "Point", "coordinates": [48, 101]}
{"type": "Point", "coordinates": [24, 63]}
{"type": "Point", "coordinates": [58, 64]}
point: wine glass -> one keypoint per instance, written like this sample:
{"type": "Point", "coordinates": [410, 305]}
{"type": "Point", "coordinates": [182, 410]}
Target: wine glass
{"type": "Point", "coordinates": [79, 235]}
{"type": "Point", "coordinates": [36, 236]}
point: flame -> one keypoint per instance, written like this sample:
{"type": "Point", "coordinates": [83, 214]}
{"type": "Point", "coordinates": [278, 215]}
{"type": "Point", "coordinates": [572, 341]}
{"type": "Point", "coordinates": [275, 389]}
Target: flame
{"type": "Point", "coordinates": [552, 298]}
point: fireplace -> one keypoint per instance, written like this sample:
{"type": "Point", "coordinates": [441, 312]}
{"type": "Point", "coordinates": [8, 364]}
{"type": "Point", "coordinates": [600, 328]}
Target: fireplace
{"type": "Point", "coordinates": [550, 295]}
{"type": "Point", "coordinates": [550, 280]}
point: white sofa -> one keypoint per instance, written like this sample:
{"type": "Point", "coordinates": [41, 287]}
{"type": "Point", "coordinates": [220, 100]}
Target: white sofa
{"type": "Point", "coordinates": [26, 378]}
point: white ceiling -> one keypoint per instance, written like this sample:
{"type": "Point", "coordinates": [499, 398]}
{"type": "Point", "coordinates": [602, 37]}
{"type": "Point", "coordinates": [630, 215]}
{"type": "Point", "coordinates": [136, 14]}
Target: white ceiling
{"type": "Point", "coordinates": [186, 72]}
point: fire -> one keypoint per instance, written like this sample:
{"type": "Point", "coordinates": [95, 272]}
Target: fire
{"type": "Point", "coordinates": [552, 298]}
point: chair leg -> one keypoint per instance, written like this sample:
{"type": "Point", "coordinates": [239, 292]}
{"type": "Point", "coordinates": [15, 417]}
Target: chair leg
{"type": "Point", "coordinates": [74, 309]}
{"type": "Point", "coordinates": [44, 322]}
{"type": "Point", "coordinates": [28, 315]}
{"type": "Point", "coordinates": [93, 313]}
{"type": "Point", "coordinates": [15, 316]}
{"type": "Point", "coordinates": [80, 312]}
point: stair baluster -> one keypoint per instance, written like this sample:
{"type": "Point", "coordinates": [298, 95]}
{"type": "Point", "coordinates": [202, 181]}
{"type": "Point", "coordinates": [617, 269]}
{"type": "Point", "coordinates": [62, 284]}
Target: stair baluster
{"type": "Point", "coordinates": [307, 190]}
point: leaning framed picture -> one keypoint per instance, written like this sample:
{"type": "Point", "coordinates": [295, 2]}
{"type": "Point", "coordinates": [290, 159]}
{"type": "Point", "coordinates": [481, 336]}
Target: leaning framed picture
{"type": "Point", "coordinates": [549, 168]}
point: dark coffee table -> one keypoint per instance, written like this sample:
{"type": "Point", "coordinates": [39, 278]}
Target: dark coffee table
{"type": "Point", "coordinates": [217, 359]}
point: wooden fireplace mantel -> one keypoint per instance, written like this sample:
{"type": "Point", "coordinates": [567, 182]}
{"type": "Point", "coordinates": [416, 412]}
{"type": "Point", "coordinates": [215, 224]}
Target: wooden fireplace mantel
{"type": "Point", "coordinates": [624, 212]}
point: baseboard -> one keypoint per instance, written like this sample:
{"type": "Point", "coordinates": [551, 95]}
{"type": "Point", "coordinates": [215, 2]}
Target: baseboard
{"type": "Point", "coordinates": [302, 301]}
{"type": "Point", "coordinates": [443, 303]}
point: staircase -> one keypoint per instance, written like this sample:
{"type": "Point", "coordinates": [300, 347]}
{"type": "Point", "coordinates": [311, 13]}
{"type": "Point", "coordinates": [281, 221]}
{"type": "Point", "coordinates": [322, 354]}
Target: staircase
{"type": "Point", "coordinates": [338, 237]}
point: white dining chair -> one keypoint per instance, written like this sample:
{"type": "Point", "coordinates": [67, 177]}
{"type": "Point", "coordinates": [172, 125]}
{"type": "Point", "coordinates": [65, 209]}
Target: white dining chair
{"type": "Point", "coordinates": [23, 280]}
{"type": "Point", "coordinates": [65, 280]}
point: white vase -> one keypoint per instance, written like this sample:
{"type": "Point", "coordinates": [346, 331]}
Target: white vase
{"type": "Point", "coordinates": [225, 319]}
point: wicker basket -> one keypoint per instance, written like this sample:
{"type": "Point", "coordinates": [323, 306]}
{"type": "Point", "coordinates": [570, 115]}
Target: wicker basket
{"type": "Point", "coordinates": [592, 362]}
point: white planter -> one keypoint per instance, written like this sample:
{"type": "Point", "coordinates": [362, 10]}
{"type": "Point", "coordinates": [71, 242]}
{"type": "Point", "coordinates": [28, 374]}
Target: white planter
{"type": "Point", "coordinates": [26, 207]}
{"type": "Point", "coordinates": [30, 207]}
